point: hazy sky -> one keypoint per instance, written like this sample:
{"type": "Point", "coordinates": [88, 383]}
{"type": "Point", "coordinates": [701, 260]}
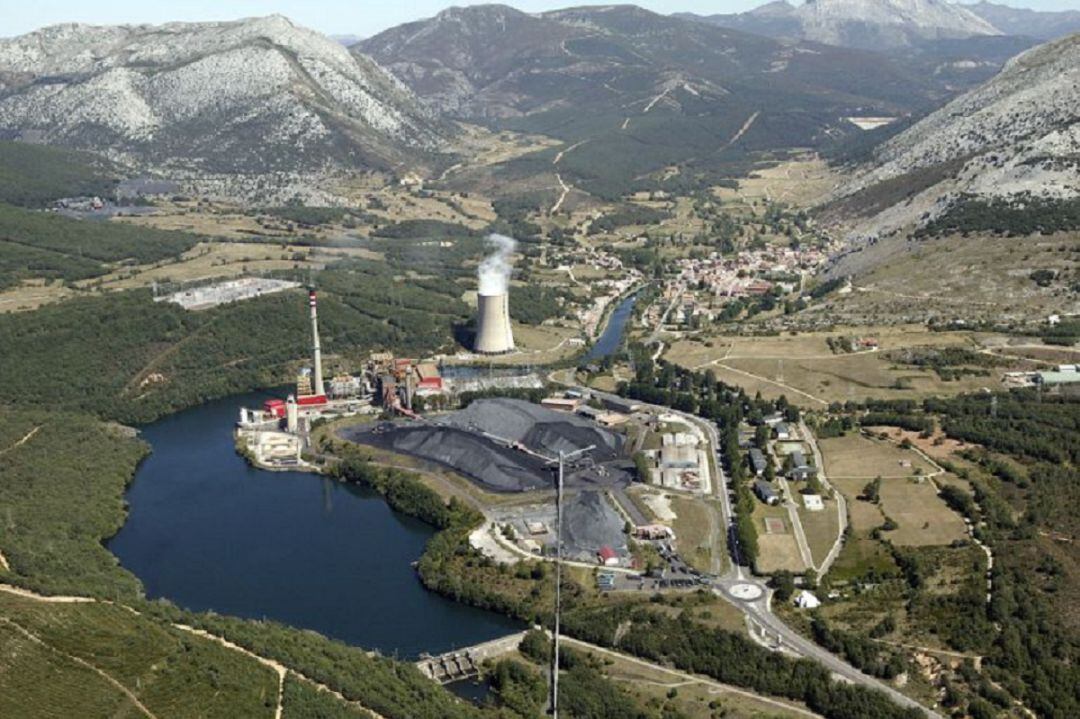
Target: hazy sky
{"type": "Point", "coordinates": [339, 17]}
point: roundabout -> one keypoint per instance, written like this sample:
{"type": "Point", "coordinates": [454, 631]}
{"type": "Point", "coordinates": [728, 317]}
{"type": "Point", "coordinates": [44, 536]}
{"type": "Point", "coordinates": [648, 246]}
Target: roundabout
{"type": "Point", "coordinates": [746, 592]}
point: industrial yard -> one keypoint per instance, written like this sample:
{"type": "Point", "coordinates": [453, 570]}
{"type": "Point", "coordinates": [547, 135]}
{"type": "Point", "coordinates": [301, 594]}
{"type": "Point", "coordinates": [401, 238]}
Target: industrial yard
{"type": "Point", "coordinates": [505, 445]}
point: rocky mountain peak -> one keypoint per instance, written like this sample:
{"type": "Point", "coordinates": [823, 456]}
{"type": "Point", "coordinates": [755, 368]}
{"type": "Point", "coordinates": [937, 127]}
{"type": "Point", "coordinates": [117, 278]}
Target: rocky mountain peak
{"type": "Point", "coordinates": [1017, 135]}
{"type": "Point", "coordinates": [867, 24]}
{"type": "Point", "coordinates": [256, 94]}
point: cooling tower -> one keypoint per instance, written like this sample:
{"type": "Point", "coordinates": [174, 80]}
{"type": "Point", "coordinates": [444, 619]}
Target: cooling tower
{"type": "Point", "coordinates": [493, 333]}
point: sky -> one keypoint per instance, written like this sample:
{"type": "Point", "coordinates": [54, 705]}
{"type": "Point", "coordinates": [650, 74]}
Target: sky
{"type": "Point", "coordinates": [333, 17]}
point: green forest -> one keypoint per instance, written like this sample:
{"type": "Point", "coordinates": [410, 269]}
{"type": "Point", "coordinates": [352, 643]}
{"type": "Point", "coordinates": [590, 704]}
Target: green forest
{"type": "Point", "coordinates": [1012, 217]}
{"type": "Point", "coordinates": [122, 356]}
{"type": "Point", "coordinates": [35, 175]}
{"type": "Point", "coordinates": [39, 244]}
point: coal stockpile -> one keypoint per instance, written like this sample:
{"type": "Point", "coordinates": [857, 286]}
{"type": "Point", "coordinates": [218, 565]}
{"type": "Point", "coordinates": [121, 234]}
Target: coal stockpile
{"type": "Point", "coordinates": [540, 429]}
{"type": "Point", "coordinates": [497, 468]}
{"type": "Point", "coordinates": [505, 445]}
{"type": "Point", "coordinates": [589, 523]}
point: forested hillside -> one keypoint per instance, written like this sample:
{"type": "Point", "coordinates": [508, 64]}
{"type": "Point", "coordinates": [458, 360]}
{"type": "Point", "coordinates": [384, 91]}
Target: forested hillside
{"type": "Point", "coordinates": [42, 245]}
{"type": "Point", "coordinates": [33, 175]}
{"type": "Point", "coordinates": [123, 356]}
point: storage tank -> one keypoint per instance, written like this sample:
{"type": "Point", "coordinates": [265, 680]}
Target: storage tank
{"type": "Point", "coordinates": [292, 415]}
{"type": "Point", "coordinates": [493, 332]}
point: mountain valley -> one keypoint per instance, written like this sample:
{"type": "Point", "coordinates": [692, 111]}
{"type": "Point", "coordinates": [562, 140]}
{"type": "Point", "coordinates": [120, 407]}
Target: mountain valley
{"type": "Point", "coordinates": [341, 371]}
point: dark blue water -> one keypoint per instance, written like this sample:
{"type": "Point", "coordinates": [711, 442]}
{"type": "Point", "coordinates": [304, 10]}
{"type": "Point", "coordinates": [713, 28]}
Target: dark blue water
{"type": "Point", "coordinates": [612, 336]}
{"type": "Point", "coordinates": [208, 532]}
{"type": "Point", "coordinates": [471, 690]}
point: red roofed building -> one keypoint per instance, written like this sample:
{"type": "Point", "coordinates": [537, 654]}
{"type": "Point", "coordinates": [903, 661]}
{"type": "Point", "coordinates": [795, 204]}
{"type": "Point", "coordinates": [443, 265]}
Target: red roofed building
{"type": "Point", "coordinates": [607, 556]}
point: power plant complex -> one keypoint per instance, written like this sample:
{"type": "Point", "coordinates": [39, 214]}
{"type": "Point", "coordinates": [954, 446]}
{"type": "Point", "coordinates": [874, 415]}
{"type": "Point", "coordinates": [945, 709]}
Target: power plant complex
{"type": "Point", "coordinates": [277, 434]}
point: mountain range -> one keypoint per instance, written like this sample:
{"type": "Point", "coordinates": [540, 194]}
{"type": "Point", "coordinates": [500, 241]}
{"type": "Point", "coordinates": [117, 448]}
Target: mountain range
{"type": "Point", "coordinates": [1043, 25]}
{"type": "Point", "coordinates": [1001, 159]}
{"type": "Point", "coordinates": [259, 95]}
{"type": "Point", "coordinates": [637, 92]}
{"type": "Point", "coordinates": [639, 100]}
{"type": "Point", "coordinates": [868, 24]}
{"type": "Point", "coordinates": [1017, 135]}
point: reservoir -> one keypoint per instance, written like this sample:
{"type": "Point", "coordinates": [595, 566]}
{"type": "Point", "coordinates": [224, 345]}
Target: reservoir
{"type": "Point", "coordinates": [208, 532]}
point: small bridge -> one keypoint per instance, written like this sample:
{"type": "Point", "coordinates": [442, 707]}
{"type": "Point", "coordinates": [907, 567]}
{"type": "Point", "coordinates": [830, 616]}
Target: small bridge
{"type": "Point", "coordinates": [465, 663]}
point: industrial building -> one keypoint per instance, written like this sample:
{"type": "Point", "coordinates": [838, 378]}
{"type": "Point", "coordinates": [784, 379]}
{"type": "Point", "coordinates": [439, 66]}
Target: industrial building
{"type": "Point", "coordinates": [1064, 375]}
{"type": "Point", "coordinates": [220, 293]}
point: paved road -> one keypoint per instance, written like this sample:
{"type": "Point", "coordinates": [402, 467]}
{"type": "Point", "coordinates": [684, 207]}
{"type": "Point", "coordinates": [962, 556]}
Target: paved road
{"type": "Point", "coordinates": [658, 330]}
{"type": "Point", "coordinates": [759, 610]}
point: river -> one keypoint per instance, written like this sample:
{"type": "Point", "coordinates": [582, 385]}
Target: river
{"type": "Point", "coordinates": [612, 336]}
{"type": "Point", "coordinates": [209, 532]}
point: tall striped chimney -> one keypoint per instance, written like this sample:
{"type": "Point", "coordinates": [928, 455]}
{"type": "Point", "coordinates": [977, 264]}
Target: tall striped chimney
{"type": "Point", "coordinates": [317, 384]}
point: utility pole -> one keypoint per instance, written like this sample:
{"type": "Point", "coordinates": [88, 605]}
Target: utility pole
{"type": "Point", "coordinates": [553, 699]}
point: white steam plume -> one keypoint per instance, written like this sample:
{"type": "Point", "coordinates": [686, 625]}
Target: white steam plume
{"type": "Point", "coordinates": [495, 269]}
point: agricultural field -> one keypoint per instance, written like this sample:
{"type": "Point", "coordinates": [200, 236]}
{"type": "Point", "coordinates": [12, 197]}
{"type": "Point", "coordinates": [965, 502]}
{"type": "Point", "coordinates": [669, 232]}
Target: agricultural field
{"type": "Point", "coordinates": [800, 182]}
{"type": "Point", "coordinates": [803, 368]}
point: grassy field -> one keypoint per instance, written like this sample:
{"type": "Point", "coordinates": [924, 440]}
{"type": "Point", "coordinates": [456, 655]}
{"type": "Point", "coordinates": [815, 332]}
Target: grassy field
{"type": "Point", "coordinates": [821, 528]}
{"type": "Point", "coordinates": [858, 456]}
{"type": "Point", "coordinates": [226, 259]}
{"type": "Point", "coordinates": [694, 531]}
{"type": "Point", "coordinates": [864, 516]}
{"type": "Point", "coordinates": [32, 294]}
{"type": "Point", "coordinates": [800, 182]}
{"type": "Point", "coordinates": [205, 261]}
{"type": "Point", "coordinates": [924, 519]}
{"type": "Point", "coordinates": [776, 551]}
{"type": "Point", "coordinates": [542, 343]}
{"type": "Point", "coordinates": [987, 277]}
{"type": "Point", "coordinates": [803, 368]}
{"type": "Point", "coordinates": [859, 556]}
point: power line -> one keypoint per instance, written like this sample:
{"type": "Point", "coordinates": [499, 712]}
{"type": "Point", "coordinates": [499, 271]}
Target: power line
{"type": "Point", "coordinates": [553, 698]}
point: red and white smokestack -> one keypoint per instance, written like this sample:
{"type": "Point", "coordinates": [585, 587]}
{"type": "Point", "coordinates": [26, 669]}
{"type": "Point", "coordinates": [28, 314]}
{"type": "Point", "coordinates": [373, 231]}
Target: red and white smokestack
{"type": "Point", "coordinates": [317, 384]}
